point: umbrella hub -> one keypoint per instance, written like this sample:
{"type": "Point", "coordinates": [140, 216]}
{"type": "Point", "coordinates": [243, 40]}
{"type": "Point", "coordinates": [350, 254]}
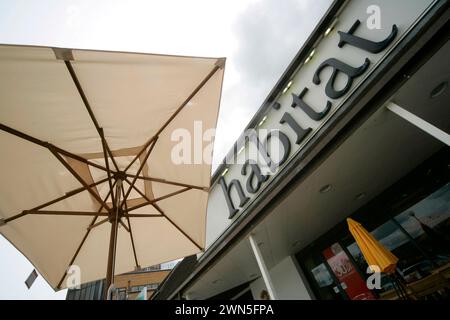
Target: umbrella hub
{"type": "Point", "coordinates": [117, 207]}
{"type": "Point", "coordinates": [119, 175]}
{"type": "Point", "coordinates": [112, 218]}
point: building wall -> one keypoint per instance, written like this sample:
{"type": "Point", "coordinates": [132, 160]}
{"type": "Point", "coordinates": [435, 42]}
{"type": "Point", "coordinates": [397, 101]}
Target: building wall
{"type": "Point", "coordinates": [94, 290]}
{"type": "Point", "coordinates": [133, 296]}
{"type": "Point", "coordinates": [287, 281]}
{"type": "Point", "coordinates": [140, 279]}
{"type": "Point", "coordinates": [130, 280]}
{"type": "Point", "coordinates": [87, 291]}
{"type": "Point", "coordinates": [393, 12]}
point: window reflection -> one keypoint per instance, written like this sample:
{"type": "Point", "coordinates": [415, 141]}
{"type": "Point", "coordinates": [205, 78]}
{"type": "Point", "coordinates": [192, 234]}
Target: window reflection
{"type": "Point", "coordinates": [428, 223]}
{"type": "Point", "coordinates": [323, 282]}
{"type": "Point", "coordinates": [322, 276]}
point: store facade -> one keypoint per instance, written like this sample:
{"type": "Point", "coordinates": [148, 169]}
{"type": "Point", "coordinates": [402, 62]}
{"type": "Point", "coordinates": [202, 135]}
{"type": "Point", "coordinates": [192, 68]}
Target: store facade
{"type": "Point", "coordinates": [360, 120]}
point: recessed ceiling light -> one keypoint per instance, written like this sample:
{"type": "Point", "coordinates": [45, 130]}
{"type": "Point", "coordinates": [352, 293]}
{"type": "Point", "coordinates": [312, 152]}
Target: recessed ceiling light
{"type": "Point", "coordinates": [311, 54]}
{"type": "Point", "coordinates": [287, 87]}
{"type": "Point", "coordinates": [325, 188]}
{"type": "Point", "coordinates": [439, 89]}
{"type": "Point", "coordinates": [360, 196]}
{"type": "Point", "coordinates": [330, 28]}
{"type": "Point", "coordinates": [224, 172]}
{"type": "Point", "coordinates": [262, 121]}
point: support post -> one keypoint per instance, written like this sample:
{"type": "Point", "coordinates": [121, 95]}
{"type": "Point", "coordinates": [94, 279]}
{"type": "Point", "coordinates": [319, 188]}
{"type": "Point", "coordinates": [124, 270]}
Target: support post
{"type": "Point", "coordinates": [113, 242]}
{"type": "Point", "coordinates": [262, 267]}
{"type": "Point", "coordinates": [419, 123]}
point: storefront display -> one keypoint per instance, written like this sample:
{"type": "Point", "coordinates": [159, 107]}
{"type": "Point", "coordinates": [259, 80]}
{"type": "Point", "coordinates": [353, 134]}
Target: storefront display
{"type": "Point", "coordinates": [418, 236]}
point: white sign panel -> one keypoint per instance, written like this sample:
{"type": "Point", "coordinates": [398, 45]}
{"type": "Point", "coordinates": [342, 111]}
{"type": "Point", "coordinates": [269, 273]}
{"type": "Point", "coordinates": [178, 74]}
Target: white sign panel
{"type": "Point", "coordinates": [363, 34]}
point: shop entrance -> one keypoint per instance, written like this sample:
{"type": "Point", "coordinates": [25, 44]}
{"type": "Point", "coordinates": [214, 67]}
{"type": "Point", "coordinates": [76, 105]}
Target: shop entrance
{"type": "Point", "coordinates": [336, 276]}
{"type": "Point", "coordinates": [412, 220]}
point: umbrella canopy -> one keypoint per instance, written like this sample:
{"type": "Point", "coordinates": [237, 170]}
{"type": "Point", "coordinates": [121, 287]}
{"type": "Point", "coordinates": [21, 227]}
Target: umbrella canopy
{"type": "Point", "coordinates": [373, 251]}
{"type": "Point", "coordinates": [63, 112]}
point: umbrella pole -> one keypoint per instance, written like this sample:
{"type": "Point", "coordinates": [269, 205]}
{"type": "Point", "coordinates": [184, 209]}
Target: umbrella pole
{"type": "Point", "coordinates": [399, 287]}
{"type": "Point", "coordinates": [397, 290]}
{"type": "Point", "coordinates": [112, 243]}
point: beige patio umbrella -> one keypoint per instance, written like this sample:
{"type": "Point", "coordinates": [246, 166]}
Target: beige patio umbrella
{"type": "Point", "coordinates": [62, 113]}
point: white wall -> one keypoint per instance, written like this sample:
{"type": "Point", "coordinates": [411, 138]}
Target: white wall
{"type": "Point", "coordinates": [392, 12]}
{"type": "Point", "coordinates": [287, 282]}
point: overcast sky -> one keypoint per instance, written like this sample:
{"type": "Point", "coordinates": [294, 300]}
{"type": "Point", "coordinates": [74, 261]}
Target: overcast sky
{"type": "Point", "coordinates": [259, 38]}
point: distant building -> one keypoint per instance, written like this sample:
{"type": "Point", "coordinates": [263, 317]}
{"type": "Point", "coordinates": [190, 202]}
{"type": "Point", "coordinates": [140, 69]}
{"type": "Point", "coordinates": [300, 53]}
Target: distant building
{"type": "Point", "coordinates": [128, 285]}
{"type": "Point", "coordinates": [88, 291]}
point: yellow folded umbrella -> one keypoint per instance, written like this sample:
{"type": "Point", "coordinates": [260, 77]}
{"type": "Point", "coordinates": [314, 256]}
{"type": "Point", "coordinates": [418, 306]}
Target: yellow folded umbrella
{"type": "Point", "coordinates": [373, 251]}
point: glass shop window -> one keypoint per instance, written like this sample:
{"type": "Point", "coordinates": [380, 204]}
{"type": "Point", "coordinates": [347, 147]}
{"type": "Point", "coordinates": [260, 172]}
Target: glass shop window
{"type": "Point", "coordinates": [122, 294]}
{"type": "Point", "coordinates": [394, 240]}
{"type": "Point", "coordinates": [428, 223]}
{"type": "Point", "coordinates": [324, 284]}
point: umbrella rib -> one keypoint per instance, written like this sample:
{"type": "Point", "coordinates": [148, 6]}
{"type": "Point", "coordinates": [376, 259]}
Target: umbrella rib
{"type": "Point", "coordinates": [138, 215]}
{"type": "Point", "coordinates": [130, 230]}
{"type": "Point", "coordinates": [177, 227]}
{"type": "Point", "coordinates": [159, 199]}
{"type": "Point", "coordinates": [105, 155]}
{"type": "Point", "coordinates": [89, 110]}
{"type": "Point", "coordinates": [142, 195]}
{"type": "Point", "coordinates": [48, 146]}
{"type": "Point", "coordinates": [185, 102]}
{"type": "Point", "coordinates": [77, 176]}
{"type": "Point", "coordinates": [139, 153]}
{"type": "Point", "coordinates": [66, 213]}
{"type": "Point", "coordinates": [164, 215]}
{"type": "Point", "coordinates": [98, 223]}
{"type": "Point", "coordinates": [180, 184]}
{"type": "Point", "coordinates": [140, 169]}
{"type": "Point", "coordinates": [196, 90]}
{"type": "Point", "coordinates": [83, 240]}
{"type": "Point", "coordinates": [66, 196]}
{"type": "Point", "coordinates": [124, 225]}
